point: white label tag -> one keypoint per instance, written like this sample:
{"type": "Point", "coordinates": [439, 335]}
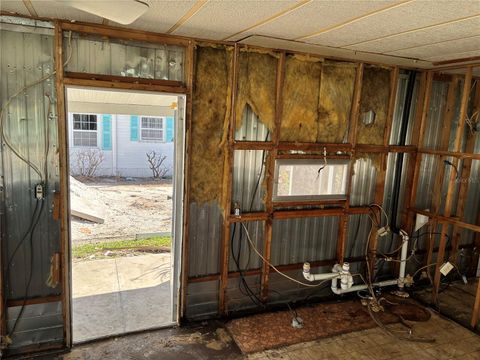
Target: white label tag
{"type": "Point", "coordinates": [446, 268]}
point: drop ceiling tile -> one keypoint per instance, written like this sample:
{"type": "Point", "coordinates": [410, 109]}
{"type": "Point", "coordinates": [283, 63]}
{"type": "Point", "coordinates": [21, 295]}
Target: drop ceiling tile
{"type": "Point", "coordinates": [390, 45]}
{"type": "Point", "coordinates": [443, 48]}
{"type": "Point", "coordinates": [411, 15]}
{"type": "Point", "coordinates": [220, 19]}
{"type": "Point", "coordinates": [316, 15]}
{"type": "Point", "coordinates": [460, 55]}
{"type": "Point", "coordinates": [14, 7]}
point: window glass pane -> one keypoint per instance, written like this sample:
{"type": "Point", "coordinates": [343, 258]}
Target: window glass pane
{"type": "Point", "coordinates": [310, 179]}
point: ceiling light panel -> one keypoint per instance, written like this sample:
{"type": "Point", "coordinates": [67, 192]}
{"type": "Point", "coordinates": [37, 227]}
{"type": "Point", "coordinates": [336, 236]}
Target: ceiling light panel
{"type": "Point", "coordinates": [220, 19]}
{"type": "Point", "coordinates": [314, 16]}
{"type": "Point", "coordinates": [58, 10]}
{"type": "Point", "coordinates": [162, 15]}
{"type": "Point", "coordinates": [412, 15]}
{"type": "Point", "coordinates": [391, 44]}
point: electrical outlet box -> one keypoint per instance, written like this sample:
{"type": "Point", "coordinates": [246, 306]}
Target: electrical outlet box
{"type": "Point", "coordinates": [446, 268]}
{"type": "Point", "coordinates": [39, 191]}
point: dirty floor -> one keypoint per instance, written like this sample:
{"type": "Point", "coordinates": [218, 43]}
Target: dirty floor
{"type": "Point", "coordinates": [124, 294]}
{"type": "Point", "coordinates": [211, 341]}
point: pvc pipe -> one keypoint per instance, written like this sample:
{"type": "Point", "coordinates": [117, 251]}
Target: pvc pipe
{"type": "Point", "coordinates": [403, 259]}
{"type": "Point", "coordinates": [339, 291]}
{"type": "Point", "coordinates": [314, 277]}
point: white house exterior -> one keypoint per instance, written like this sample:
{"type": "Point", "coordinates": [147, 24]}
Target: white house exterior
{"type": "Point", "coordinates": [124, 141]}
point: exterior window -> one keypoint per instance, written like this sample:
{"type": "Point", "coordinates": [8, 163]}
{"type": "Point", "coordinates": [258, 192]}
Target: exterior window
{"type": "Point", "coordinates": [310, 179]}
{"type": "Point", "coordinates": [152, 129]}
{"type": "Point", "coordinates": [85, 130]}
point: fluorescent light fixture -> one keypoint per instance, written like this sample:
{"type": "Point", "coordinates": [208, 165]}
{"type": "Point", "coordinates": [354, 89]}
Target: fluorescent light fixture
{"type": "Point", "coordinates": [123, 12]}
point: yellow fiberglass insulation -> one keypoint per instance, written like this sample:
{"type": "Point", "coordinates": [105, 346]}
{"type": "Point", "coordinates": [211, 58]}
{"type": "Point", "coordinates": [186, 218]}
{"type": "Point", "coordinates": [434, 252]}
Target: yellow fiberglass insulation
{"type": "Point", "coordinates": [375, 97]}
{"type": "Point", "coordinates": [336, 93]}
{"type": "Point", "coordinates": [256, 86]}
{"type": "Point", "coordinates": [300, 100]}
{"type": "Point", "coordinates": [210, 116]}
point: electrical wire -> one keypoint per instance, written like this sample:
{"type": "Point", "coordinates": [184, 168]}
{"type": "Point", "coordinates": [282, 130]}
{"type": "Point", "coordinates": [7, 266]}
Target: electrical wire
{"type": "Point", "coordinates": [273, 266]}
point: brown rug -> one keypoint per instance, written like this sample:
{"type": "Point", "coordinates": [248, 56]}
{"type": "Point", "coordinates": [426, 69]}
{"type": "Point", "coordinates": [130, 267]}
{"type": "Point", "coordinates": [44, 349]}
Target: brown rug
{"type": "Point", "coordinates": [271, 330]}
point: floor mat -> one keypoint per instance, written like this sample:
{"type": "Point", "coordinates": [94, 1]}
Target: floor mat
{"type": "Point", "coordinates": [271, 330]}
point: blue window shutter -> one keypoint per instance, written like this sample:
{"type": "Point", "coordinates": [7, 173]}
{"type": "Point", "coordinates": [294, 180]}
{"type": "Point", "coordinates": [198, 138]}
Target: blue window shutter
{"type": "Point", "coordinates": [134, 128]}
{"type": "Point", "coordinates": [169, 129]}
{"type": "Point", "coordinates": [107, 132]}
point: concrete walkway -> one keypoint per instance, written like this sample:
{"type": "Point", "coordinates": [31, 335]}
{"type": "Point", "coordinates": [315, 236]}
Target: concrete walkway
{"type": "Point", "coordinates": [114, 296]}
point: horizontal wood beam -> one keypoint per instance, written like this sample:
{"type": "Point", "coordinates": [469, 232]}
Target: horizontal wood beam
{"type": "Point", "coordinates": [455, 154]}
{"type": "Point", "coordinates": [447, 220]}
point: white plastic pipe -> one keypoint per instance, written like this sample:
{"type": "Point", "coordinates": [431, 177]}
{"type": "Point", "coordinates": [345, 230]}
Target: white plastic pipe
{"type": "Point", "coordinates": [403, 259]}
{"type": "Point", "coordinates": [315, 277]}
{"type": "Point", "coordinates": [338, 291]}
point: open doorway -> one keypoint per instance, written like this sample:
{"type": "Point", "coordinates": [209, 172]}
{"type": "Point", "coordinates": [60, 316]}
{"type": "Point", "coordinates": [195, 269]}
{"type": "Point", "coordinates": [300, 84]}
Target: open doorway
{"type": "Point", "coordinates": [126, 175]}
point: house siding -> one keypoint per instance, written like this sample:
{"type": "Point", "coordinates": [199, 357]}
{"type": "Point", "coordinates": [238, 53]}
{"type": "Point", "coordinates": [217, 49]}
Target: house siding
{"type": "Point", "coordinates": [125, 157]}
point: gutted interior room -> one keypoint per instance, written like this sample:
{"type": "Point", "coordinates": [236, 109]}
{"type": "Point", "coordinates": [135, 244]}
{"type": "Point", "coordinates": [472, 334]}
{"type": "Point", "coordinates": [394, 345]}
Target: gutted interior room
{"type": "Point", "coordinates": [209, 179]}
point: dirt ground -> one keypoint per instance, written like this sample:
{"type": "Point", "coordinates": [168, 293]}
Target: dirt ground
{"type": "Point", "coordinates": [130, 208]}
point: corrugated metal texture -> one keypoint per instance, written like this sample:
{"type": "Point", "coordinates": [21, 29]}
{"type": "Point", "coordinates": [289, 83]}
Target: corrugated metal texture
{"type": "Point", "coordinates": [436, 113]}
{"type": "Point", "coordinates": [429, 167]}
{"type": "Point", "coordinates": [30, 124]}
{"type": "Point", "coordinates": [204, 228]}
{"type": "Point", "coordinates": [238, 297]}
{"type": "Point", "coordinates": [241, 248]}
{"type": "Point", "coordinates": [202, 300]}
{"type": "Point", "coordinates": [39, 323]}
{"type": "Point", "coordinates": [472, 201]}
{"type": "Point", "coordinates": [248, 179]}
{"type": "Point", "coordinates": [398, 112]}
{"type": "Point", "coordinates": [358, 229]}
{"type": "Point", "coordinates": [251, 129]}
{"type": "Point", "coordinates": [363, 182]}
{"type": "Point", "coordinates": [308, 239]}
{"type": "Point", "coordinates": [96, 55]}
{"type": "Point", "coordinates": [283, 291]}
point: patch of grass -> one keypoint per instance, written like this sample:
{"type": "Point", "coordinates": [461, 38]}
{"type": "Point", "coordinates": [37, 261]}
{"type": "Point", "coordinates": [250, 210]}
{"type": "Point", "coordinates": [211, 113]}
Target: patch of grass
{"type": "Point", "coordinates": [86, 250]}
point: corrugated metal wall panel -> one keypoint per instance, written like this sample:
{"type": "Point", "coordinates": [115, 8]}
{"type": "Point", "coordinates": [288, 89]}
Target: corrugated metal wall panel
{"type": "Point", "coordinates": [204, 227]}
{"type": "Point", "coordinates": [202, 300]}
{"type": "Point", "coordinates": [96, 55]}
{"type": "Point", "coordinates": [240, 246]}
{"type": "Point", "coordinates": [237, 295]}
{"type": "Point", "coordinates": [30, 124]}
{"type": "Point", "coordinates": [308, 239]}
{"type": "Point", "coordinates": [363, 182]}
{"type": "Point", "coordinates": [248, 179]}
{"type": "Point", "coordinates": [251, 128]}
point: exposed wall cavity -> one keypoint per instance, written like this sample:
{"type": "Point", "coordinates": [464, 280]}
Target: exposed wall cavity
{"type": "Point", "coordinates": [300, 100]}
{"type": "Point", "coordinates": [336, 94]}
{"type": "Point", "coordinates": [209, 122]}
{"type": "Point", "coordinates": [256, 86]}
{"type": "Point", "coordinates": [375, 97]}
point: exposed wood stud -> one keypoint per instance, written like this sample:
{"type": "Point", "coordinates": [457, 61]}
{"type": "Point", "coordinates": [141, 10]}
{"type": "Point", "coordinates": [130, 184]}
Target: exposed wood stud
{"type": "Point", "coordinates": [64, 182]}
{"type": "Point", "coordinates": [270, 175]}
{"type": "Point", "coordinates": [227, 185]}
{"type": "Point", "coordinates": [451, 183]}
{"type": "Point", "coordinates": [189, 74]}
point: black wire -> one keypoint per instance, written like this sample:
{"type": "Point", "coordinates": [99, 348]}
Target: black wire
{"type": "Point", "coordinates": [30, 277]}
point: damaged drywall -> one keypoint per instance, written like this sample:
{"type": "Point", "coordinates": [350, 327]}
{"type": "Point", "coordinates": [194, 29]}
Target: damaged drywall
{"type": "Point", "coordinates": [210, 118]}
{"type": "Point", "coordinates": [336, 94]}
{"type": "Point", "coordinates": [257, 73]}
{"type": "Point", "coordinates": [300, 100]}
{"type": "Point", "coordinates": [375, 97]}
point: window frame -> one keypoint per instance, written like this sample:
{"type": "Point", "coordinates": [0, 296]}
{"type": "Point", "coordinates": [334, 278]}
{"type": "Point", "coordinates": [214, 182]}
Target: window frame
{"type": "Point", "coordinates": [84, 131]}
{"type": "Point", "coordinates": [162, 128]}
{"type": "Point", "coordinates": [316, 162]}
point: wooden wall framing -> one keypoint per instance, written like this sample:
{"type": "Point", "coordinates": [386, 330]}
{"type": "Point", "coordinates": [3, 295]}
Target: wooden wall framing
{"type": "Point", "coordinates": [416, 150]}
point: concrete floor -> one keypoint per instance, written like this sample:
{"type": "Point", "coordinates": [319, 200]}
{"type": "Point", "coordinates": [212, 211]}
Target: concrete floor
{"type": "Point", "coordinates": [211, 341]}
{"type": "Point", "coordinates": [119, 295]}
